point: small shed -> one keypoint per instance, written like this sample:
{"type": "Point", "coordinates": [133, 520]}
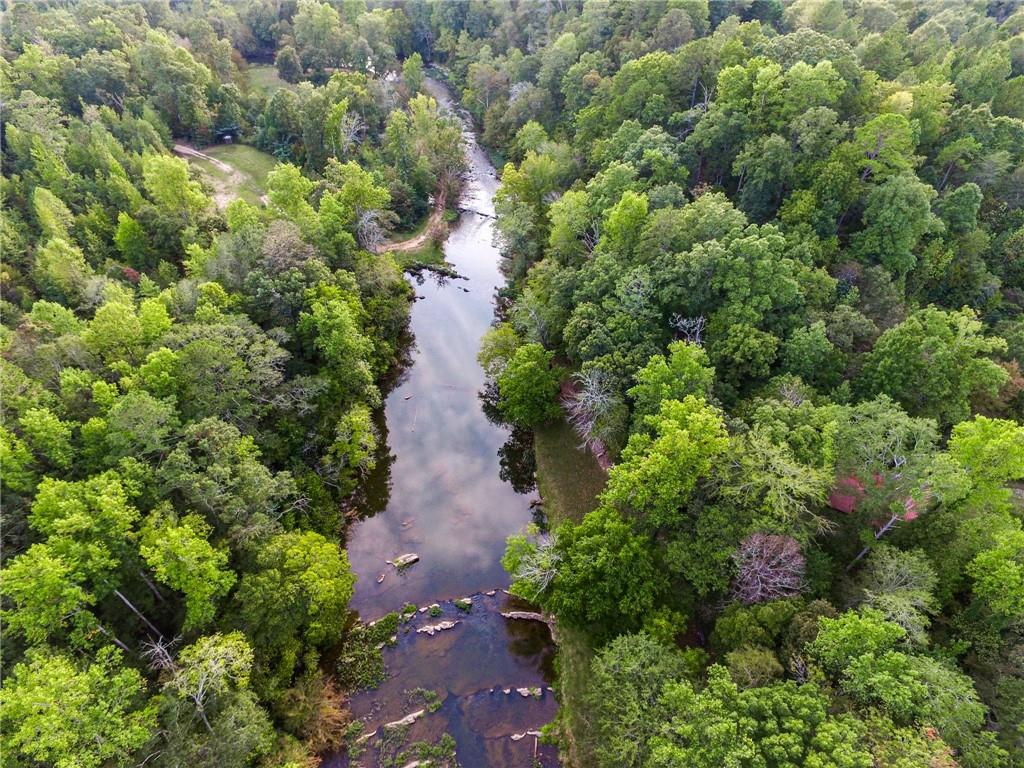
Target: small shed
{"type": "Point", "coordinates": [228, 134]}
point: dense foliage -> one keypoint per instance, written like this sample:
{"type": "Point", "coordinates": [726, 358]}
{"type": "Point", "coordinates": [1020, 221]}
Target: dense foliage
{"type": "Point", "coordinates": [773, 251]}
{"type": "Point", "coordinates": [189, 390]}
{"type": "Point", "coordinates": [767, 256]}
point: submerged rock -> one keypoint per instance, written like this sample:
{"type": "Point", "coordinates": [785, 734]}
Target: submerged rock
{"type": "Point", "coordinates": [524, 734]}
{"type": "Point", "coordinates": [433, 629]}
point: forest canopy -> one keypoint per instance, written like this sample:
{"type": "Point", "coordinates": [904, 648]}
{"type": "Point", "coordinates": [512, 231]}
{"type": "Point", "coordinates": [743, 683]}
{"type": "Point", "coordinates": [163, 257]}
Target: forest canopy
{"type": "Point", "coordinates": [770, 250]}
{"type": "Point", "coordinates": [766, 257]}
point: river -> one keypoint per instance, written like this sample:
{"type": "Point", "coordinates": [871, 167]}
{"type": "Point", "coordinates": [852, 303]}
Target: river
{"type": "Point", "coordinates": [441, 495]}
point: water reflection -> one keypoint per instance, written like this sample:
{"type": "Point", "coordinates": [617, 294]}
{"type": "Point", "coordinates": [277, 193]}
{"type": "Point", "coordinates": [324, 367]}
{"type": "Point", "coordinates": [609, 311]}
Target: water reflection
{"type": "Point", "coordinates": [451, 485]}
{"type": "Point", "coordinates": [517, 462]}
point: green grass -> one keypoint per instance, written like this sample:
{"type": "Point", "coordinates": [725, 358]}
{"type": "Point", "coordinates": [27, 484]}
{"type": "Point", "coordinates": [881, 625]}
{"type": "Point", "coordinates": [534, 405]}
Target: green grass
{"type": "Point", "coordinates": [252, 165]}
{"type": "Point", "coordinates": [264, 78]}
{"type": "Point", "coordinates": [417, 229]}
{"type": "Point", "coordinates": [430, 254]}
{"type": "Point", "coordinates": [570, 728]}
{"type": "Point", "coordinates": [246, 159]}
{"type": "Point", "coordinates": [568, 477]}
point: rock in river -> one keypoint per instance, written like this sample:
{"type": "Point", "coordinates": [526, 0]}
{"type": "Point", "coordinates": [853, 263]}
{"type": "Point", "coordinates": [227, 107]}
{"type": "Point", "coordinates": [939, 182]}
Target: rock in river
{"type": "Point", "coordinates": [404, 561]}
{"type": "Point", "coordinates": [433, 629]}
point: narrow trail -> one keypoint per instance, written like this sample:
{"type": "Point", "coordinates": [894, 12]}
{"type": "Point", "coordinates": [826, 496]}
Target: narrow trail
{"type": "Point", "coordinates": [418, 241]}
{"type": "Point", "coordinates": [187, 151]}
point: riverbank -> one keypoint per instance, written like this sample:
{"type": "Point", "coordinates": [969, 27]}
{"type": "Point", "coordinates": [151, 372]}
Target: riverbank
{"type": "Point", "coordinates": [438, 493]}
{"type": "Point", "coordinates": [569, 477]}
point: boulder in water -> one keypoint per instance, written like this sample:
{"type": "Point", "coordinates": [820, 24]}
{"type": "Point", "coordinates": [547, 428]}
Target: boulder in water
{"type": "Point", "coordinates": [407, 720]}
{"type": "Point", "coordinates": [433, 629]}
{"type": "Point", "coordinates": [404, 561]}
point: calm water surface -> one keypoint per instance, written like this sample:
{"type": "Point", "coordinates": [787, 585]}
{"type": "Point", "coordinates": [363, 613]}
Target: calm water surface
{"type": "Point", "coordinates": [441, 496]}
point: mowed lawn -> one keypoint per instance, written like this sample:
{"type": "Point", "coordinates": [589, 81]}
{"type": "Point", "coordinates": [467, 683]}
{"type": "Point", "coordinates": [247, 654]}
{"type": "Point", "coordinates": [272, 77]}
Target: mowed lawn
{"type": "Point", "coordinates": [568, 476]}
{"type": "Point", "coordinates": [249, 178]}
{"type": "Point", "coordinates": [264, 78]}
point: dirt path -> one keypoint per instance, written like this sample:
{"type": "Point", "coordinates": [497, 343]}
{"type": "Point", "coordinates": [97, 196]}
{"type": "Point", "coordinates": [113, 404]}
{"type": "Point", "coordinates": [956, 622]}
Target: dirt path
{"type": "Point", "coordinates": [420, 240]}
{"type": "Point", "coordinates": [186, 150]}
{"type": "Point", "coordinates": [224, 190]}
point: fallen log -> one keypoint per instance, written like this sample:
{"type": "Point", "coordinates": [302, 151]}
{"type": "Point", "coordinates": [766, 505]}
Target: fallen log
{"type": "Point", "coordinates": [529, 616]}
{"type": "Point", "coordinates": [407, 720]}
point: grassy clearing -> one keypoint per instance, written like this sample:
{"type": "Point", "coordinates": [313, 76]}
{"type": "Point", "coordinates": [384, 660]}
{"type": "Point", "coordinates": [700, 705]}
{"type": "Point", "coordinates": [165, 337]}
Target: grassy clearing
{"type": "Point", "coordinates": [569, 729]}
{"type": "Point", "coordinates": [430, 254]}
{"type": "Point", "coordinates": [251, 166]}
{"type": "Point", "coordinates": [246, 159]}
{"type": "Point", "coordinates": [568, 477]}
{"type": "Point", "coordinates": [264, 78]}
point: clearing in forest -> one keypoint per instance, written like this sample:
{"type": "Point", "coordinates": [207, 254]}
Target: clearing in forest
{"type": "Point", "coordinates": [233, 170]}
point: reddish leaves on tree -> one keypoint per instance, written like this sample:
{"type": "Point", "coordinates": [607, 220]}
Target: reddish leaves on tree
{"type": "Point", "coordinates": [768, 567]}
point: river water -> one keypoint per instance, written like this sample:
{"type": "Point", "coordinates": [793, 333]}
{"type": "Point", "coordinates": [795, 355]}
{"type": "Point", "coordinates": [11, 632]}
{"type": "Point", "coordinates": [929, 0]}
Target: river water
{"type": "Point", "coordinates": [440, 495]}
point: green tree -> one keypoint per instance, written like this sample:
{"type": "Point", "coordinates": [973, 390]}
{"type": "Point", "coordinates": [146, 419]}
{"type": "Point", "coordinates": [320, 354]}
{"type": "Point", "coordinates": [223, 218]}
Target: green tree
{"type": "Point", "coordinates": [744, 355]}
{"type": "Point", "coordinates": [900, 585]}
{"type": "Point", "coordinates": [854, 634]}
{"type": "Point", "coordinates": [352, 453]}
{"type": "Point", "coordinates": [897, 215]}
{"type": "Point", "coordinates": [934, 362]}
{"type": "Point", "coordinates": [782, 494]}
{"type": "Point", "coordinates": [497, 348]}
{"type": "Point", "coordinates": [140, 426]}
{"type": "Point", "coordinates": [69, 715]}
{"type": "Point", "coordinates": [412, 73]}
{"type": "Point", "coordinates": [998, 577]}
{"type": "Point", "coordinates": [88, 523]}
{"type": "Point", "coordinates": [811, 355]}
{"type": "Point", "coordinates": [528, 386]}
{"type": "Point", "coordinates": [333, 322]}
{"type": "Point", "coordinates": [776, 725]}
{"type": "Point", "coordinates": [660, 469]}
{"type": "Point", "coordinates": [317, 31]}
{"type": "Point", "coordinates": [114, 333]}
{"type": "Point", "coordinates": [60, 271]}
{"type": "Point", "coordinates": [46, 595]}
{"type": "Point", "coordinates": [622, 691]}
{"type": "Point", "coordinates": [48, 437]}
{"type": "Point", "coordinates": [297, 596]}
{"type": "Point", "coordinates": [685, 371]}
{"type": "Point", "coordinates": [992, 452]}
{"type": "Point", "coordinates": [289, 68]}
{"type": "Point", "coordinates": [168, 184]}
{"type": "Point", "coordinates": [210, 717]}
{"type": "Point", "coordinates": [18, 463]}
{"type": "Point", "coordinates": [216, 470]}
{"type": "Point", "coordinates": [182, 558]}
{"type": "Point", "coordinates": [288, 191]}
{"type": "Point", "coordinates": [607, 579]}
{"type": "Point", "coordinates": [131, 241]}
